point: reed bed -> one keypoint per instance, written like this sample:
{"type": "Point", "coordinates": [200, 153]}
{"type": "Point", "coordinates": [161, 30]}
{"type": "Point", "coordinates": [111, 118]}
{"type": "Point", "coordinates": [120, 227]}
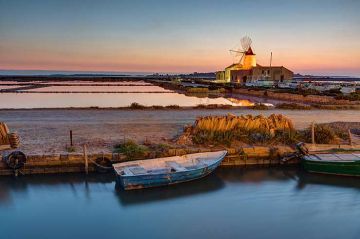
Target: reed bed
{"type": "Point", "coordinates": [245, 128]}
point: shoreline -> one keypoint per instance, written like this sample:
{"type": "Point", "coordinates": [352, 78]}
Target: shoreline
{"type": "Point", "coordinates": [187, 108]}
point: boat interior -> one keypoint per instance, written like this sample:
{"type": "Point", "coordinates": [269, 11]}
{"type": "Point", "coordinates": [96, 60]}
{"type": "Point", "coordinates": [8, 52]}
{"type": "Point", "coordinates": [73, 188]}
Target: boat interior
{"type": "Point", "coordinates": [169, 164]}
{"type": "Point", "coordinates": [349, 157]}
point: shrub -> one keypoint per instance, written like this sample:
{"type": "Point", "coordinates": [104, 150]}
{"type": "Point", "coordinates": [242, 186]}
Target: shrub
{"type": "Point", "coordinates": [131, 149]}
{"type": "Point", "coordinates": [137, 106]}
{"type": "Point", "coordinates": [323, 135]}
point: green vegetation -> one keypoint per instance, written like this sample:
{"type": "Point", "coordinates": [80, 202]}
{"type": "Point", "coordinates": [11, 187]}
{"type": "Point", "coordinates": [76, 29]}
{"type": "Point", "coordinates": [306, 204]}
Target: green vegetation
{"type": "Point", "coordinates": [159, 150]}
{"type": "Point", "coordinates": [323, 135]}
{"type": "Point", "coordinates": [131, 150]}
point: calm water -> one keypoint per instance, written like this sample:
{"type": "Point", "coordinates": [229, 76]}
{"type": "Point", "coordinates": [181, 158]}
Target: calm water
{"type": "Point", "coordinates": [119, 94]}
{"type": "Point", "coordinates": [232, 203]}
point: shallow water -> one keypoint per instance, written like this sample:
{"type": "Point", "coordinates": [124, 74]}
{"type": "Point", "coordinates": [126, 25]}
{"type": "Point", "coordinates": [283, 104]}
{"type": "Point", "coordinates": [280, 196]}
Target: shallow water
{"type": "Point", "coordinates": [60, 100]}
{"type": "Point", "coordinates": [232, 203]}
{"type": "Point", "coordinates": [83, 94]}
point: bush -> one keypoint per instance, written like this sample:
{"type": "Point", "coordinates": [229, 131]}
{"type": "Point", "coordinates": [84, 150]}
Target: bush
{"type": "Point", "coordinates": [323, 135]}
{"type": "Point", "coordinates": [137, 106]}
{"type": "Point", "coordinates": [131, 149]}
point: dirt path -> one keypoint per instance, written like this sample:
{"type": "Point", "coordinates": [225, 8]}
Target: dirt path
{"type": "Point", "coordinates": [47, 131]}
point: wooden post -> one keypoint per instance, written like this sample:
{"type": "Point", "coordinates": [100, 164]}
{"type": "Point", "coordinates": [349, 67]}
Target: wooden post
{"type": "Point", "coordinates": [350, 138]}
{"type": "Point", "coordinates": [313, 133]}
{"type": "Point", "coordinates": [86, 159]}
{"type": "Point", "coordinates": [71, 138]}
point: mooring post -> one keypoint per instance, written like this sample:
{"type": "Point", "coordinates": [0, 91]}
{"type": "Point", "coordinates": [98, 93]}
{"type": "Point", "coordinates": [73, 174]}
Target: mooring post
{"type": "Point", "coordinates": [313, 133]}
{"type": "Point", "coordinates": [86, 159]}
{"type": "Point", "coordinates": [71, 138]}
{"type": "Point", "coordinates": [350, 138]}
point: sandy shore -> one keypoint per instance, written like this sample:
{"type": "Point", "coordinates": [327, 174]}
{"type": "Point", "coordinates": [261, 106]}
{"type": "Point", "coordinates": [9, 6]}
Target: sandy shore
{"type": "Point", "coordinates": [47, 131]}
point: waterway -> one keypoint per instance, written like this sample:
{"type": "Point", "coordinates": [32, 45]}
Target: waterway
{"type": "Point", "coordinates": [231, 203]}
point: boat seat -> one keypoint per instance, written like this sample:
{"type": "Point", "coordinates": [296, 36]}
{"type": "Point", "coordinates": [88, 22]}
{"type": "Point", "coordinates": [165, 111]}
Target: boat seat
{"type": "Point", "coordinates": [136, 170]}
{"type": "Point", "coordinates": [174, 165]}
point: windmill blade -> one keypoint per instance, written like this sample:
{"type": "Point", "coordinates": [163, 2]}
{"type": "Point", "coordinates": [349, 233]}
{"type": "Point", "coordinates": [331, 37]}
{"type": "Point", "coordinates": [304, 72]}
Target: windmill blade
{"type": "Point", "coordinates": [241, 58]}
{"type": "Point", "coordinates": [245, 42]}
{"type": "Point", "coordinates": [237, 53]}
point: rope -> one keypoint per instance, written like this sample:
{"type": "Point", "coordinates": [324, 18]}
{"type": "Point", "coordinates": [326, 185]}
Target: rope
{"type": "Point", "coordinates": [99, 165]}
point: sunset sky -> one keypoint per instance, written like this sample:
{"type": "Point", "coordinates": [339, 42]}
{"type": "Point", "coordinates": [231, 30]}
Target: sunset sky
{"type": "Point", "coordinates": [308, 37]}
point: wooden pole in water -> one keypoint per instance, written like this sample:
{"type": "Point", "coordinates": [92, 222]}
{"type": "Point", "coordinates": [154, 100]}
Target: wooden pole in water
{"type": "Point", "coordinates": [350, 138]}
{"type": "Point", "coordinates": [313, 133]}
{"type": "Point", "coordinates": [86, 159]}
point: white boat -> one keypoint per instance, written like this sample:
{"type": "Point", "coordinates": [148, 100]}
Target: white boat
{"type": "Point", "coordinates": [166, 171]}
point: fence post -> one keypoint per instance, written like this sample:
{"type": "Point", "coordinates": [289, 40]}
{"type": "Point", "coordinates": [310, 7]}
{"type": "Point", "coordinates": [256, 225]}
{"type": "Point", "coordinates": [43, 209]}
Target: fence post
{"type": "Point", "coordinates": [86, 159]}
{"type": "Point", "coordinates": [71, 138]}
{"type": "Point", "coordinates": [313, 133]}
{"type": "Point", "coordinates": [350, 138]}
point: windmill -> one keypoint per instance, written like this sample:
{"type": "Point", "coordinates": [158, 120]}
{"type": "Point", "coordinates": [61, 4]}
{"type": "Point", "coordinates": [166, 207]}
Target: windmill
{"type": "Point", "coordinates": [245, 43]}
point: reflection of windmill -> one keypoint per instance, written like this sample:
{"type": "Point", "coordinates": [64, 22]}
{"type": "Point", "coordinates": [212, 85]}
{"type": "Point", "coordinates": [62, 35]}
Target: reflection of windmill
{"type": "Point", "coordinates": [246, 54]}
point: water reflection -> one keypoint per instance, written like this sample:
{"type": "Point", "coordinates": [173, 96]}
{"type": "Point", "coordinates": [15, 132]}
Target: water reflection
{"type": "Point", "coordinates": [79, 183]}
{"type": "Point", "coordinates": [242, 203]}
{"type": "Point", "coordinates": [21, 185]}
{"type": "Point", "coordinates": [307, 179]}
{"type": "Point", "coordinates": [208, 184]}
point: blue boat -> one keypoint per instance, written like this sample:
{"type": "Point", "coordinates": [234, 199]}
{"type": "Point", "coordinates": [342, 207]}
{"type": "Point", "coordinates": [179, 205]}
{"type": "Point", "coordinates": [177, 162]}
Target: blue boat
{"type": "Point", "coordinates": [166, 171]}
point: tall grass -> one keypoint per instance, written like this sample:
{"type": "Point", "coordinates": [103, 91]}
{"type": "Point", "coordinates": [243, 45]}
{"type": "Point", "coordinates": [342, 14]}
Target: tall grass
{"type": "Point", "coordinates": [245, 128]}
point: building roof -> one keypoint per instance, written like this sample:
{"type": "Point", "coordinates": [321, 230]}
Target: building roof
{"type": "Point", "coordinates": [249, 52]}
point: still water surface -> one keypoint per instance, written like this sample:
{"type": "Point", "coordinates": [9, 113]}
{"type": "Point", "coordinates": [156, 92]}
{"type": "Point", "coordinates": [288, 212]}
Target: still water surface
{"type": "Point", "coordinates": [82, 94]}
{"type": "Point", "coordinates": [232, 203]}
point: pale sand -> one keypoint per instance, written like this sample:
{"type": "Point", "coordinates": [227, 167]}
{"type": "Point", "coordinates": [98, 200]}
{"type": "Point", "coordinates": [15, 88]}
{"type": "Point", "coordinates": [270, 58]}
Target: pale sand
{"type": "Point", "coordinates": [47, 131]}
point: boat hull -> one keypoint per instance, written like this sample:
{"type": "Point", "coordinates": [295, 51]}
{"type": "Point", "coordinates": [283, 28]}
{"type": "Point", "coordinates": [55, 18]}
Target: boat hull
{"type": "Point", "coordinates": [157, 180]}
{"type": "Point", "coordinates": [351, 168]}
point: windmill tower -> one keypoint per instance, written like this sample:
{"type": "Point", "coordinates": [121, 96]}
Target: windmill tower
{"type": "Point", "coordinates": [248, 58]}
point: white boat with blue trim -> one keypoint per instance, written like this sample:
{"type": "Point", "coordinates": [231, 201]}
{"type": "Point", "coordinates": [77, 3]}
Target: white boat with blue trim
{"type": "Point", "coordinates": [166, 171]}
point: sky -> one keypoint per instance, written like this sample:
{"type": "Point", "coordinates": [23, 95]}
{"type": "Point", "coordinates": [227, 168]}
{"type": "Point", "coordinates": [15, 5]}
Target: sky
{"type": "Point", "coordinates": [308, 37]}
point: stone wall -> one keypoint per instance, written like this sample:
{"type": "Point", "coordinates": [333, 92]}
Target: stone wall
{"type": "Point", "coordinates": [75, 163]}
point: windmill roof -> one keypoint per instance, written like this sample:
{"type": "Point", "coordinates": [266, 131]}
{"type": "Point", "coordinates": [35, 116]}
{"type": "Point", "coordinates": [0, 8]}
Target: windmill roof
{"type": "Point", "coordinates": [249, 52]}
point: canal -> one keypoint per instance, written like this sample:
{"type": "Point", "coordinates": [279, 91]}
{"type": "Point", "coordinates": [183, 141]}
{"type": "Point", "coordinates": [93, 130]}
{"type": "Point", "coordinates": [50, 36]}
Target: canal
{"type": "Point", "coordinates": [231, 203]}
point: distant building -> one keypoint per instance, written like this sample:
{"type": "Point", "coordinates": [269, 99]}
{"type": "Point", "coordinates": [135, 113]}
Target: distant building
{"type": "Point", "coordinates": [250, 71]}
